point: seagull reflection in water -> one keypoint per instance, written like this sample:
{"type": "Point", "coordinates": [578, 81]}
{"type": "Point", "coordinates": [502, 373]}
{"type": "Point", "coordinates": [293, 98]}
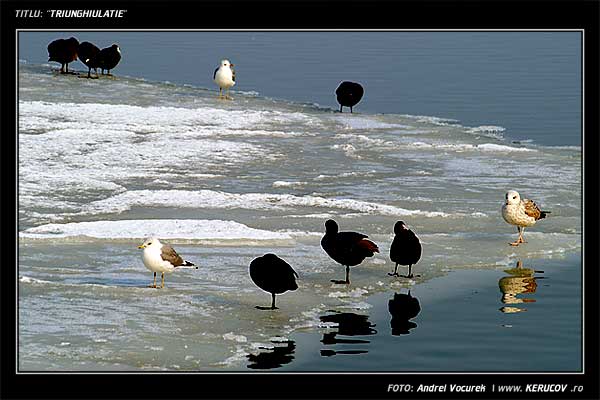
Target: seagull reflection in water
{"type": "Point", "coordinates": [520, 281]}
{"type": "Point", "coordinates": [347, 324]}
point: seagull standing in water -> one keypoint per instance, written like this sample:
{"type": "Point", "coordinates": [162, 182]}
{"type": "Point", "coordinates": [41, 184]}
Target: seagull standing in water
{"type": "Point", "coordinates": [224, 77]}
{"type": "Point", "coordinates": [159, 257]}
{"type": "Point", "coordinates": [522, 213]}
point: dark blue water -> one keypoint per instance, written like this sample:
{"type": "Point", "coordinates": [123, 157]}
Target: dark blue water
{"type": "Point", "coordinates": [463, 325]}
{"type": "Point", "coordinates": [526, 82]}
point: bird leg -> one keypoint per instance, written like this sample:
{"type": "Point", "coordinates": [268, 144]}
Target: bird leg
{"type": "Point", "coordinates": [162, 283]}
{"type": "Point", "coordinates": [341, 108]}
{"type": "Point", "coordinates": [519, 240]}
{"type": "Point", "coordinates": [410, 275]}
{"type": "Point", "coordinates": [272, 304]}
{"type": "Point", "coordinates": [395, 273]}
{"type": "Point", "coordinates": [347, 281]}
{"type": "Point", "coordinates": [154, 284]}
{"type": "Point", "coordinates": [350, 109]}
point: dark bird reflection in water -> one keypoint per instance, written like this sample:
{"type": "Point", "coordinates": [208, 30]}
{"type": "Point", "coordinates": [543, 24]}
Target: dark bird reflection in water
{"type": "Point", "coordinates": [273, 358]}
{"type": "Point", "coordinates": [520, 281]}
{"type": "Point", "coordinates": [348, 324]}
{"type": "Point", "coordinates": [403, 308]}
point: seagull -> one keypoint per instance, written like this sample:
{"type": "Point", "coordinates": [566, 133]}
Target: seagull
{"type": "Point", "coordinates": [108, 58]}
{"type": "Point", "coordinates": [224, 76]}
{"type": "Point", "coordinates": [273, 275]}
{"type": "Point", "coordinates": [521, 213]}
{"type": "Point", "coordinates": [159, 257]}
{"type": "Point", "coordinates": [347, 248]}
{"type": "Point", "coordinates": [349, 94]}
{"type": "Point", "coordinates": [63, 51]}
{"type": "Point", "coordinates": [405, 249]}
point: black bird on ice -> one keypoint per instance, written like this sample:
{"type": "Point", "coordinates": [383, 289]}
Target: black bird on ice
{"type": "Point", "coordinates": [405, 249]}
{"type": "Point", "coordinates": [88, 53]}
{"type": "Point", "coordinates": [63, 51]}
{"type": "Point", "coordinates": [347, 248]}
{"type": "Point", "coordinates": [273, 275]}
{"type": "Point", "coordinates": [108, 58]}
{"type": "Point", "coordinates": [349, 94]}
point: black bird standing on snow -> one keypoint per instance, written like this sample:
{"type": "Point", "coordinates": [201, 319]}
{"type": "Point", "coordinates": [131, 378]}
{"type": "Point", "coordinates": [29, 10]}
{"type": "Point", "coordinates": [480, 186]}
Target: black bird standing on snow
{"type": "Point", "coordinates": [403, 307]}
{"type": "Point", "coordinates": [347, 248]}
{"type": "Point", "coordinates": [273, 275]}
{"type": "Point", "coordinates": [108, 58]}
{"type": "Point", "coordinates": [88, 53]}
{"type": "Point", "coordinates": [405, 249]}
{"type": "Point", "coordinates": [63, 51]}
{"type": "Point", "coordinates": [349, 94]}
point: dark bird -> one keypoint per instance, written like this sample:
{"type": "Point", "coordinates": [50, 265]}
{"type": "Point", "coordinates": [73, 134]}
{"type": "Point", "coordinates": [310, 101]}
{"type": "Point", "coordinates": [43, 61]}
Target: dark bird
{"type": "Point", "coordinates": [273, 275]}
{"type": "Point", "coordinates": [347, 248]}
{"type": "Point", "coordinates": [88, 53]}
{"type": "Point", "coordinates": [63, 51]}
{"type": "Point", "coordinates": [108, 58]}
{"type": "Point", "coordinates": [349, 94]}
{"type": "Point", "coordinates": [403, 307]}
{"type": "Point", "coordinates": [405, 249]}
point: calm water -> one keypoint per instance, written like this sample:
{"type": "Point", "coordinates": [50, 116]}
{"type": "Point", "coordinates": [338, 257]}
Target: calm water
{"type": "Point", "coordinates": [105, 163]}
{"type": "Point", "coordinates": [526, 82]}
{"type": "Point", "coordinates": [471, 320]}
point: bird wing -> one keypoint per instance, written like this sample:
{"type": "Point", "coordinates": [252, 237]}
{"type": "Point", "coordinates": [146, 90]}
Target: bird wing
{"type": "Point", "coordinates": [367, 244]}
{"type": "Point", "coordinates": [351, 236]}
{"type": "Point", "coordinates": [169, 254]}
{"type": "Point", "coordinates": [215, 73]}
{"type": "Point", "coordinates": [532, 209]}
{"type": "Point", "coordinates": [233, 74]}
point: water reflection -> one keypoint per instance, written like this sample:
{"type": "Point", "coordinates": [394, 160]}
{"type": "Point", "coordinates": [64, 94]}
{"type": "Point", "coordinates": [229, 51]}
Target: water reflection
{"type": "Point", "coordinates": [281, 354]}
{"type": "Point", "coordinates": [520, 281]}
{"type": "Point", "coordinates": [347, 324]}
{"type": "Point", "coordinates": [403, 308]}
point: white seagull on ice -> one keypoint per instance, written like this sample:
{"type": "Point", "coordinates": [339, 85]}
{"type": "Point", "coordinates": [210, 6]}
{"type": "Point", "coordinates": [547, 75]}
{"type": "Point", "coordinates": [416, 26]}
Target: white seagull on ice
{"type": "Point", "coordinates": [521, 213]}
{"type": "Point", "coordinates": [159, 257]}
{"type": "Point", "coordinates": [224, 76]}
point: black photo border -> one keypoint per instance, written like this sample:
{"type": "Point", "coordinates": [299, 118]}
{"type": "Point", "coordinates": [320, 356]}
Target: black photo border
{"type": "Point", "coordinates": [275, 15]}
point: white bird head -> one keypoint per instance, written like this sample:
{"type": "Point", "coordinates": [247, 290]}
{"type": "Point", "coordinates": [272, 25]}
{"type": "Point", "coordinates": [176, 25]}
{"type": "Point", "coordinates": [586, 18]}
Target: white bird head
{"type": "Point", "coordinates": [512, 197]}
{"type": "Point", "coordinates": [226, 63]}
{"type": "Point", "coordinates": [150, 242]}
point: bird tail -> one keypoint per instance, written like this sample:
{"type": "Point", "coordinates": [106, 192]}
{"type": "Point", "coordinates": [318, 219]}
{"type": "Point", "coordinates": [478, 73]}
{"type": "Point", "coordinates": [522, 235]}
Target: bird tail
{"type": "Point", "coordinates": [543, 214]}
{"type": "Point", "coordinates": [368, 245]}
{"type": "Point", "coordinates": [187, 264]}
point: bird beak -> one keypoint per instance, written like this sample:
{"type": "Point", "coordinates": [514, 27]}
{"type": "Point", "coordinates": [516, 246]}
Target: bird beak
{"type": "Point", "coordinates": [232, 65]}
{"type": "Point", "coordinates": [141, 246]}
